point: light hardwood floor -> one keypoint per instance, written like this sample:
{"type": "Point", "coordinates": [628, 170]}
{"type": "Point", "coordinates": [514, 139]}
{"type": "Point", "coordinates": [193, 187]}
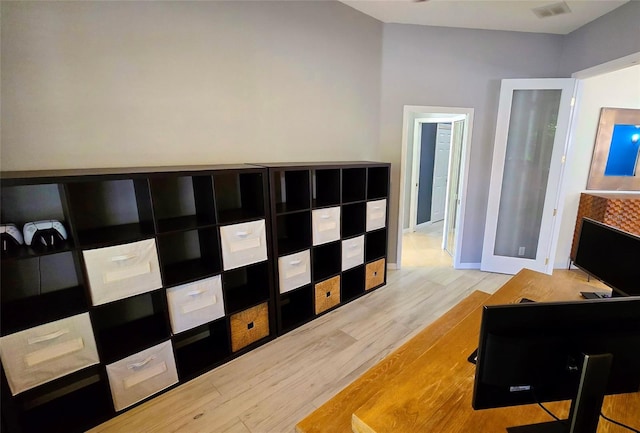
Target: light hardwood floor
{"type": "Point", "coordinates": [424, 247]}
{"type": "Point", "coordinates": [273, 387]}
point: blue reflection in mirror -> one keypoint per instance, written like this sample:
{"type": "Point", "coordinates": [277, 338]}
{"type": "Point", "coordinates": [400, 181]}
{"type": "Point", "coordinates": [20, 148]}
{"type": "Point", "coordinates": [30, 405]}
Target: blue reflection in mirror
{"type": "Point", "coordinates": [623, 153]}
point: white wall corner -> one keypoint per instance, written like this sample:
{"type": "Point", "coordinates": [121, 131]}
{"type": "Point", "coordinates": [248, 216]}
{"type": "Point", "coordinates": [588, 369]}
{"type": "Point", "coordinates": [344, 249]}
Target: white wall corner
{"type": "Point", "coordinates": [563, 264]}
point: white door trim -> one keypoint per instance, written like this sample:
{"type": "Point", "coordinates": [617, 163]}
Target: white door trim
{"type": "Point", "coordinates": [415, 170]}
{"type": "Point", "coordinates": [449, 178]}
{"type": "Point", "coordinates": [410, 114]}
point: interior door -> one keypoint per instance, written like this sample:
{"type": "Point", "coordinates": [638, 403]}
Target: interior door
{"type": "Point", "coordinates": [440, 171]}
{"type": "Point", "coordinates": [531, 137]}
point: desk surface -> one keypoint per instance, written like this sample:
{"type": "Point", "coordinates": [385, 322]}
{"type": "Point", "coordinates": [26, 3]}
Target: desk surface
{"type": "Point", "coordinates": [430, 391]}
{"type": "Point", "coordinates": [335, 415]}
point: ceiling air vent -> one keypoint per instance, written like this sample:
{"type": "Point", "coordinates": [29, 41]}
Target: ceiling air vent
{"type": "Point", "coordinates": [551, 10]}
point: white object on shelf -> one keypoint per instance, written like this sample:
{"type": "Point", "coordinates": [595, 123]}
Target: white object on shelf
{"type": "Point", "coordinates": [376, 214]}
{"type": "Point", "coordinates": [352, 252]}
{"type": "Point", "coordinates": [243, 244]}
{"type": "Point", "coordinates": [121, 271]}
{"type": "Point", "coordinates": [195, 304]}
{"type": "Point", "coordinates": [47, 352]}
{"type": "Point", "coordinates": [326, 225]}
{"type": "Point", "coordinates": [139, 376]}
{"type": "Point", "coordinates": [294, 270]}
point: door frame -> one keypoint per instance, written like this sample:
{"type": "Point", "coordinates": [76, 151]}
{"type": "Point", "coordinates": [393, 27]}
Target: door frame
{"type": "Point", "coordinates": [411, 115]}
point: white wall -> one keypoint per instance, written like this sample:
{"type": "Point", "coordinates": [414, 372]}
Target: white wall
{"type": "Point", "coordinates": [109, 84]}
{"type": "Point", "coordinates": [619, 89]}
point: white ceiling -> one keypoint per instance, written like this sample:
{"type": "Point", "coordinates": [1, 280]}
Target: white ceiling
{"type": "Point", "coordinates": [514, 15]}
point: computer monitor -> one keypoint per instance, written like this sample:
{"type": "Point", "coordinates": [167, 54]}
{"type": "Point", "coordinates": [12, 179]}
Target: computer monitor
{"type": "Point", "coordinates": [550, 351]}
{"type": "Point", "coordinates": [611, 256]}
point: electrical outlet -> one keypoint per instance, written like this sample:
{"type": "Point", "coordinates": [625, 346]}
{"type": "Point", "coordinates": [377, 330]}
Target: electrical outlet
{"type": "Point", "coordinates": [521, 251]}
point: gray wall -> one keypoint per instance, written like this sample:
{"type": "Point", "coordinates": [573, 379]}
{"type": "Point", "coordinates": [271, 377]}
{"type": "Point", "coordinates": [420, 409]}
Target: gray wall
{"type": "Point", "coordinates": [610, 37]}
{"type": "Point", "coordinates": [88, 84]}
{"type": "Point", "coordinates": [100, 84]}
{"type": "Point", "coordinates": [438, 66]}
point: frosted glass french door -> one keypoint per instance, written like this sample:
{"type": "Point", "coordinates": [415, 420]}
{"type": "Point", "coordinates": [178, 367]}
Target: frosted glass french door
{"type": "Point", "coordinates": [531, 138]}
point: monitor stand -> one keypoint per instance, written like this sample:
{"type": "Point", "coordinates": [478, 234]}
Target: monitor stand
{"type": "Point", "coordinates": [585, 408]}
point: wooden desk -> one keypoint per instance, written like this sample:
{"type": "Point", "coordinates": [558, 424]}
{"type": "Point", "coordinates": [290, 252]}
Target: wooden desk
{"type": "Point", "coordinates": [429, 390]}
{"type": "Point", "coordinates": [335, 415]}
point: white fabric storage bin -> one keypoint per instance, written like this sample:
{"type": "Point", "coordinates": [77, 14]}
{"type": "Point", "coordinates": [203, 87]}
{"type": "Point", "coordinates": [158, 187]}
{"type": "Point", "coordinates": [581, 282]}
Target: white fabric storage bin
{"type": "Point", "coordinates": [294, 270]}
{"type": "Point", "coordinates": [139, 376]}
{"type": "Point", "coordinates": [352, 252]}
{"type": "Point", "coordinates": [123, 270]}
{"type": "Point", "coordinates": [243, 244]}
{"type": "Point", "coordinates": [326, 225]}
{"type": "Point", "coordinates": [195, 304]}
{"type": "Point", "coordinates": [376, 214]}
{"type": "Point", "coordinates": [46, 352]}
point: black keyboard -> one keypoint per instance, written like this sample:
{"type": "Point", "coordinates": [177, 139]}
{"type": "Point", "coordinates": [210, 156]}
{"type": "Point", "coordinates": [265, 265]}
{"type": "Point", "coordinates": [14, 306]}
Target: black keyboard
{"type": "Point", "coordinates": [595, 295]}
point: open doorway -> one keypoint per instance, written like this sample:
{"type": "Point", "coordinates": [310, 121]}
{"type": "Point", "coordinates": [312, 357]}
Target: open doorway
{"type": "Point", "coordinates": [435, 149]}
{"type": "Point", "coordinates": [429, 173]}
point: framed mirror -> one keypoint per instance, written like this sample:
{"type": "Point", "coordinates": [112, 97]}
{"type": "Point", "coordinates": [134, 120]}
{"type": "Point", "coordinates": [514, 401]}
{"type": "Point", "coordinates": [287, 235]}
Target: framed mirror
{"type": "Point", "coordinates": [614, 165]}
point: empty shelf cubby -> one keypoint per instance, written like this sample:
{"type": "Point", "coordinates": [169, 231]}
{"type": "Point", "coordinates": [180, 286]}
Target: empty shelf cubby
{"type": "Point", "coordinates": [352, 283]}
{"type": "Point", "coordinates": [354, 184]}
{"type": "Point", "coordinates": [296, 308]}
{"type": "Point", "coordinates": [182, 202]}
{"type": "Point", "coordinates": [326, 260]}
{"type": "Point", "coordinates": [127, 326]}
{"type": "Point", "coordinates": [375, 244]}
{"type": "Point", "coordinates": [294, 232]}
{"type": "Point", "coordinates": [40, 290]}
{"type": "Point", "coordinates": [111, 211]}
{"type": "Point", "coordinates": [244, 287]}
{"type": "Point", "coordinates": [354, 218]}
{"type": "Point", "coordinates": [291, 190]}
{"type": "Point", "coordinates": [201, 348]}
{"type": "Point", "coordinates": [378, 182]}
{"type": "Point", "coordinates": [239, 196]}
{"type": "Point", "coordinates": [188, 256]}
{"type": "Point", "coordinates": [61, 406]}
{"type": "Point", "coordinates": [326, 187]}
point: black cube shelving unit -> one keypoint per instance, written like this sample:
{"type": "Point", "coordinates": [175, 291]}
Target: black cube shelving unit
{"type": "Point", "coordinates": [180, 209]}
{"type": "Point", "coordinates": [347, 185]}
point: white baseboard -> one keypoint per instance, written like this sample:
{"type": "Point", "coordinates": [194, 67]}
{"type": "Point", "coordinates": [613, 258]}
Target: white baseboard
{"type": "Point", "coordinates": [394, 266]}
{"type": "Point", "coordinates": [468, 266]}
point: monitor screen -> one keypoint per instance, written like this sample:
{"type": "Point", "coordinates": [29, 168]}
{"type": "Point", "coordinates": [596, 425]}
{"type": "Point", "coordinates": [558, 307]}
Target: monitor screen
{"type": "Point", "coordinates": [611, 256]}
{"type": "Point", "coordinates": [533, 352]}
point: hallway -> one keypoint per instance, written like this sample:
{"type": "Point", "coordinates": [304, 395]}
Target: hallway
{"type": "Point", "coordinates": [424, 247]}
